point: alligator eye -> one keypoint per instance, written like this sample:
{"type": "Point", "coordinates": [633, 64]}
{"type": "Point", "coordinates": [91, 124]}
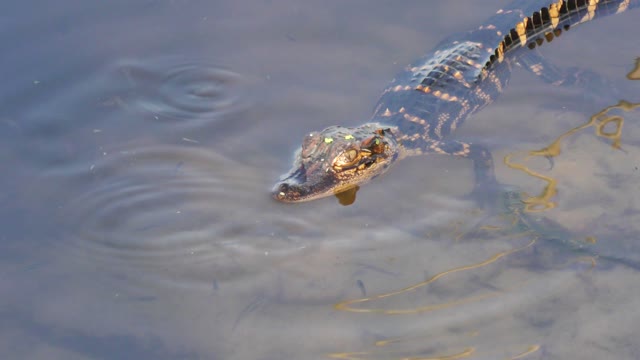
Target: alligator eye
{"type": "Point", "coordinates": [350, 156]}
{"type": "Point", "coordinates": [347, 158]}
{"type": "Point", "coordinates": [374, 144]}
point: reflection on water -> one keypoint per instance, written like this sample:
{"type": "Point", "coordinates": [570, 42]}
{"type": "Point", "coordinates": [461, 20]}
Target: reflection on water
{"type": "Point", "coordinates": [347, 305]}
{"type": "Point", "coordinates": [396, 349]}
{"type": "Point", "coordinates": [547, 245]}
{"type": "Point", "coordinates": [599, 121]}
{"type": "Point", "coordinates": [617, 247]}
{"type": "Point", "coordinates": [635, 73]}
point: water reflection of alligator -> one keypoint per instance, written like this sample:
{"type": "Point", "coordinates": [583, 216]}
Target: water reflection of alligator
{"type": "Point", "coordinates": [433, 96]}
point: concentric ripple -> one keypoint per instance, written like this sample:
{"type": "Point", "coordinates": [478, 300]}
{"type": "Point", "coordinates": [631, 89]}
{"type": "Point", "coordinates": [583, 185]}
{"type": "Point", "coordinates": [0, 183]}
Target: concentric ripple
{"type": "Point", "coordinates": [191, 92]}
{"type": "Point", "coordinates": [168, 213]}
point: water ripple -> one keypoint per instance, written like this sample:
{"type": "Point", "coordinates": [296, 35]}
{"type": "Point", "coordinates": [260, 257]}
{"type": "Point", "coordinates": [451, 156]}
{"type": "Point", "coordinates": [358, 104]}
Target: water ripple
{"type": "Point", "coordinates": [189, 92]}
{"type": "Point", "coordinates": [169, 213]}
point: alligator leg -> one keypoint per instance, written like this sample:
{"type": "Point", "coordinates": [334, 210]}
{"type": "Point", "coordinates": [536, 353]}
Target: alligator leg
{"type": "Point", "coordinates": [485, 186]}
{"type": "Point", "coordinates": [571, 77]}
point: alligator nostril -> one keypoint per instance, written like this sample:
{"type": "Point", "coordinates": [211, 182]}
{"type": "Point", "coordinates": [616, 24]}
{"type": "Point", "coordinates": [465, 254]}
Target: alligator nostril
{"type": "Point", "coordinates": [281, 191]}
{"type": "Point", "coordinates": [283, 188]}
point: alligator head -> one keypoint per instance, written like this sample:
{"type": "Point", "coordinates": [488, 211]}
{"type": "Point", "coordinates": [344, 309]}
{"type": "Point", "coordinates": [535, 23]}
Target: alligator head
{"type": "Point", "coordinates": [337, 160]}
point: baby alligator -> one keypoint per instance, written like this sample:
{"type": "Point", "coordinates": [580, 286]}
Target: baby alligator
{"type": "Point", "coordinates": [433, 96]}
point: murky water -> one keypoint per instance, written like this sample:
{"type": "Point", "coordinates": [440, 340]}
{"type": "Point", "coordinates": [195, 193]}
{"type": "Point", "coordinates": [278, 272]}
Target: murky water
{"type": "Point", "coordinates": [140, 142]}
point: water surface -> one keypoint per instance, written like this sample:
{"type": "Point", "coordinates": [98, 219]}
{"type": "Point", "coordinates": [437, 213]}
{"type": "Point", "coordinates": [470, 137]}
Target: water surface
{"type": "Point", "coordinates": [140, 142]}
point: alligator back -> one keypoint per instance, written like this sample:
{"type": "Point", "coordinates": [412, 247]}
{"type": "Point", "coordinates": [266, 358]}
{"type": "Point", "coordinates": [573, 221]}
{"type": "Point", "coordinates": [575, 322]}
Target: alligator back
{"type": "Point", "coordinates": [467, 71]}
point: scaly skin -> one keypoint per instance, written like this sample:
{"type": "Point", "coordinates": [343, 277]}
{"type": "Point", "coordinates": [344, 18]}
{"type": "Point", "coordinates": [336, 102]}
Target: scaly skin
{"type": "Point", "coordinates": [432, 97]}
{"type": "Point", "coordinates": [338, 159]}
